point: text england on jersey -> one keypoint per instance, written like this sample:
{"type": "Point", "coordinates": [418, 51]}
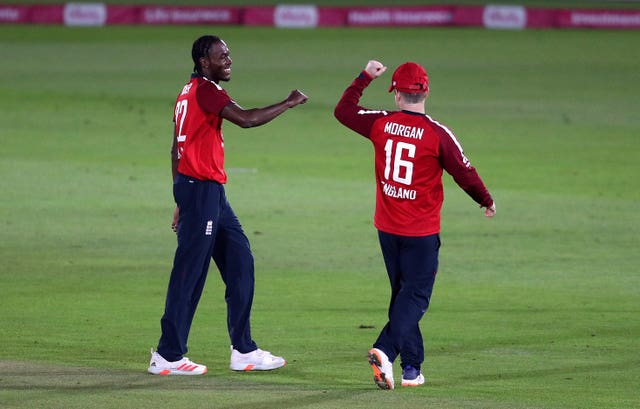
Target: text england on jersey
{"type": "Point", "coordinates": [398, 192]}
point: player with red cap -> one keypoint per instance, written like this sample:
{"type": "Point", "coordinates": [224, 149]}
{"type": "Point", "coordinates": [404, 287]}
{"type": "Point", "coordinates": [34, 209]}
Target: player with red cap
{"type": "Point", "coordinates": [411, 151]}
{"type": "Point", "coordinates": [411, 78]}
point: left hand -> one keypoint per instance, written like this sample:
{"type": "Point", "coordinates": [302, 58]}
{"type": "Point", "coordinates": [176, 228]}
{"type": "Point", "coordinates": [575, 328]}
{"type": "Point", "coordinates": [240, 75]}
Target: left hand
{"type": "Point", "coordinates": [490, 211]}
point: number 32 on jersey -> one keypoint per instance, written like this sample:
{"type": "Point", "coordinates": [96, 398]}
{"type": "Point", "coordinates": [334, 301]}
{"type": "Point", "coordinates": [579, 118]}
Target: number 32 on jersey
{"type": "Point", "coordinates": [181, 113]}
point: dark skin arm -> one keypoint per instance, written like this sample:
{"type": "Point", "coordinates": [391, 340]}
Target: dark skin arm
{"type": "Point", "coordinates": [216, 66]}
{"type": "Point", "coordinates": [174, 157]}
{"type": "Point", "coordinates": [174, 173]}
{"type": "Point", "coordinates": [247, 118]}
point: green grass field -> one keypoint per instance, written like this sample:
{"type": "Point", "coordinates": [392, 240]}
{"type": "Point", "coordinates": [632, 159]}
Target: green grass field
{"type": "Point", "coordinates": [537, 308]}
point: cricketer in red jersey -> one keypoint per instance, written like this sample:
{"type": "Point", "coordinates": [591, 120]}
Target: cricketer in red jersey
{"type": "Point", "coordinates": [201, 155]}
{"type": "Point", "coordinates": [411, 150]}
{"type": "Point", "coordinates": [206, 225]}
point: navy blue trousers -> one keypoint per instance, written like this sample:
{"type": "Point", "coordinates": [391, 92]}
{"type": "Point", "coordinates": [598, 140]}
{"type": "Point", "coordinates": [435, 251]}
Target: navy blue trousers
{"type": "Point", "coordinates": [412, 264]}
{"type": "Point", "coordinates": [207, 228]}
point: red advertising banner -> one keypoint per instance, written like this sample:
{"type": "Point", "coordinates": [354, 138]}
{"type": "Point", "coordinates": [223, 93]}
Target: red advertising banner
{"type": "Point", "coordinates": [69, 14]}
{"type": "Point", "coordinates": [468, 16]}
{"type": "Point", "coordinates": [183, 15]}
{"type": "Point", "coordinates": [541, 18]}
{"type": "Point", "coordinates": [609, 19]}
{"type": "Point", "coordinates": [10, 14]}
{"type": "Point", "coordinates": [504, 17]}
{"type": "Point", "coordinates": [123, 15]}
{"type": "Point", "coordinates": [310, 16]}
{"type": "Point", "coordinates": [332, 17]}
{"type": "Point", "coordinates": [400, 16]}
{"type": "Point", "coordinates": [294, 16]}
{"type": "Point", "coordinates": [258, 16]}
{"type": "Point", "coordinates": [85, 14]}
{"type": "Point", "coordinates": [46, 14]}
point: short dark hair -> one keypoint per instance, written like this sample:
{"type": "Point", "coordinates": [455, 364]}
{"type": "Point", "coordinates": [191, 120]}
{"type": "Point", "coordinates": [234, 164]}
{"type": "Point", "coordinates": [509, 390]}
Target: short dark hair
{"type": "Point", "coordinates": [413, 98]}
{"type": "Point", "coordinates": [201, 49]}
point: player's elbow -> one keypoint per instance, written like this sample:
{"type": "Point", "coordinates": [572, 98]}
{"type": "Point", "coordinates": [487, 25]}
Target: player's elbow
{"type": "Point", "coordinates": [246, 122]}
{"type": "Point", "coordinates": [339, 114]}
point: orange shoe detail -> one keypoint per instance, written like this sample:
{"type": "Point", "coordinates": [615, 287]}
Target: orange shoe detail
{"type": "Point", "coordinates": [379, 377]}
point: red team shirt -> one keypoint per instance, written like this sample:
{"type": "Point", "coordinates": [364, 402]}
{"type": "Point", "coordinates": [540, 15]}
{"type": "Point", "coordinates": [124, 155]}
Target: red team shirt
{"type": "Point", "coordinates": [198, 129]}
{"type": "Point", "coordinates": [411, 150]}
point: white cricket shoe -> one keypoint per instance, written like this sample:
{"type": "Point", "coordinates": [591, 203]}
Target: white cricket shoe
{"type": "Point", "coordinates": [382, 369]}
{"type": "Point", "coordinates": [412, 376]}
{"type": "Point", "coordinates": [257, 360]}
{"type": "Point", "coordinates": [160, 366]}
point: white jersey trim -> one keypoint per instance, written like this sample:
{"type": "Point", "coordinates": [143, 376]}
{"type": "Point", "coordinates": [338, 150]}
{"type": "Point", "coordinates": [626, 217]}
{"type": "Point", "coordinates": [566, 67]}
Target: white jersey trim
{"type": "Point", "coordinates": [217, 86]}
{"type": "Point", "coordinates": [367, 111]}
{"type": "Point", "coordinates": [465, 160]}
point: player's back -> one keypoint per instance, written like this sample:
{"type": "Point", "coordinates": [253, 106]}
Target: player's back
{"type": "Point", "coordinates": [408, 173]}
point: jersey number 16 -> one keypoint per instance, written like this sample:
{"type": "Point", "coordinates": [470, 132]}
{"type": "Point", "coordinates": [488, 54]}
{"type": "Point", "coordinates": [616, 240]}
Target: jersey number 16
{"type": "Point", "coordinates": [402, 168]}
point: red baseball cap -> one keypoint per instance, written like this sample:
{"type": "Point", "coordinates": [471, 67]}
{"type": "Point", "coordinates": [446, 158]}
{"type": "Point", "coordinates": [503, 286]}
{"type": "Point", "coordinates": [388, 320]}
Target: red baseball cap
{"type": "Point", "coordinates": [411, 78]}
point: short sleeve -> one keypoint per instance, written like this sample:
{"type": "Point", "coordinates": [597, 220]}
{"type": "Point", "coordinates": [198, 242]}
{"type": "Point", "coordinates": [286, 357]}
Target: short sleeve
{"type": "Point", "coordinates": [211, 97]}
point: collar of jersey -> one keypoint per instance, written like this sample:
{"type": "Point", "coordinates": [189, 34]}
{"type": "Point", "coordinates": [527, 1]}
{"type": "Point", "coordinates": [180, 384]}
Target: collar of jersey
{"type": "Point", "coordinates": [413, 113]}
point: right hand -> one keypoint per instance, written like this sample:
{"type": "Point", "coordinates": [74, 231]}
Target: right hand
{"type": "Point", "coordinates": [375, 68]}
{"type": "Point", "coordinates": [296, 97]}
{"type": "Point", "coordinates": [174, 223]}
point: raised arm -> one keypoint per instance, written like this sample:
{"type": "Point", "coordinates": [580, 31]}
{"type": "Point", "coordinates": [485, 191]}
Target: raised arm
{"type": "Point", "coordinates": [348, 110]}
{"type": "Point", "coordinates": [247, 118]}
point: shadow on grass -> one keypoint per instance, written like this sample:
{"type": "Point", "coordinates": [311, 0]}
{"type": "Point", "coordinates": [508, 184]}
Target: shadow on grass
{"type": "Point", "coordinates": [24, 375]}
{"type": "Point", "coordinates": [20, 378]}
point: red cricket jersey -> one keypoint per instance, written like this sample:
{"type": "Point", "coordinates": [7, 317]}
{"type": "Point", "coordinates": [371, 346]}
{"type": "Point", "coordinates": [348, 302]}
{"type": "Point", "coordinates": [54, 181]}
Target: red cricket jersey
{"type": "Point", "coordinates": [411, 150]}
{"type": "Point", "coordinates": [198, 129]}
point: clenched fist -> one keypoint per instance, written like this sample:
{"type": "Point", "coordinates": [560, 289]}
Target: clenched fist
{"type": "Point", "coordinates": [375, 68]}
